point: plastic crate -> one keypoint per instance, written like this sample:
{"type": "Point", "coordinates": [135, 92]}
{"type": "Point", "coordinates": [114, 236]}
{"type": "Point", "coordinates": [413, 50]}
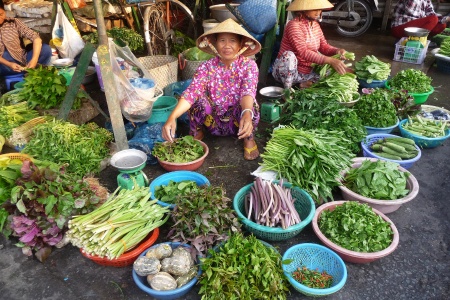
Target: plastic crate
{"type": "Point", "coordinates": [411, 55]}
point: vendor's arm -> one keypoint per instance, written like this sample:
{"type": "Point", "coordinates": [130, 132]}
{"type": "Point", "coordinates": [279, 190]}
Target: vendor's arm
{"type": "Point", "coordinates": [37, 46]}
{"type": "Point", "coordinates": [246, 124]}
{"type": "Point", "coordinates": [170, 127]}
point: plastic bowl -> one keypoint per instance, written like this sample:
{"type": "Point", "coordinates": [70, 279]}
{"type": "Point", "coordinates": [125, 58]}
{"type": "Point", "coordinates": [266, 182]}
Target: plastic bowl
{"type": "Point", "coordinates": [221, 13]}
{"type": "Point", "coordinates": [141, 281]}
{"type": "Point", "coordinates": [315, 257]}
{"type": "Point", "coordinates": [421, 141]}
{"type": "Point", "coordinates": [304, 205]}
{"type": "Point", "coordinates": [384, 206]}
{"type": "Point", "coordinates": [374, 84]}
{"type": "Point", "coordinates": [370, 139]}
{"type": "Point", "coordinates": [348, 255]}
{"type": "Point", "coordinates": [419, 98]}
{"type": "Point", "coordinates": [176, 176]}
{"type": "Point", "coordinates": [376, 130]}
{"type": "Point", "coordinates": [188, 166]}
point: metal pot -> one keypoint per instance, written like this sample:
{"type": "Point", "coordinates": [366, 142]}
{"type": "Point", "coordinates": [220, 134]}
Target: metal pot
{"type": "Point", "coordinates": [416, 31]}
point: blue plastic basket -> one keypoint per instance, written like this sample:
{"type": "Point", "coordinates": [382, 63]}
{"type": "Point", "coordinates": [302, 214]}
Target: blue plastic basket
{"type": "Point", "coordinates": [421, 141]}
{"type": "Point", "coordinates": [141, 281]}
{"type": "Point", "coordinates": [304, 205]}
{"type": "Point", "coordinates": [176, 176]}
{"type": "Point", "coordinates": [374, 84]}
{"type": "Point", "coordinates": [376, 130]}
{"type": "Point", "coordinates": [314, 256]}
{"type": "Point", "coordinates": [370, 139]}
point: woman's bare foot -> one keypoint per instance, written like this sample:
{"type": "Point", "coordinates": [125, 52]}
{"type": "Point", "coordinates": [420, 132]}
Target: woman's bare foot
{"type": "Point", "coordinates": [250, 149]}
{"type": "Point", "coordinates": [199, 135]}
{"type": "Point", "coordinates": [306, 84]}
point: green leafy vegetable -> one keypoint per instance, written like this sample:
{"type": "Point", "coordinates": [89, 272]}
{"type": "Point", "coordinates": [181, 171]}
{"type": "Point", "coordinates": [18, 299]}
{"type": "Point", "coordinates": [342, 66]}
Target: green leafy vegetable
{"type": "Point", "coordinates": [133, 39]}
{"type": "Point", "coordinates": [354, 226]}
{"type": "Point", "coordinates": [242, 268]}
{"type": "Point", "coordinates": [182, 150]}
{"type": "Point", "coordinates": [371, 68]}
{"type": "Point", "coordinates": [378, 180]}
{"type": "Point", "coordinates": [196, 54]}
{"type": "Point", "coordinates": [412, 80]}
{"type": "Point", "coordinates": [378, 101]}
{"type": "Point", "coordinates": [445, 47]}
{"type": "Point", "coordinates": [326, 69]}
{"type": "Point", "coordinates": [168, 193]}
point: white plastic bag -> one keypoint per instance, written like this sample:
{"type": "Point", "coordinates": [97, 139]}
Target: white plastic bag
{"type": "Point", "coordinates": [65, 38]}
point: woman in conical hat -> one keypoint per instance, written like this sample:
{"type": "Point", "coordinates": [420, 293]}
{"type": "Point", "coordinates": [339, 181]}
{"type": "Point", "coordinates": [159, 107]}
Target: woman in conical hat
{"type": "Point", "coordinates": [221, 97]}
{"type": "Point", "coordinates": [303, 44]}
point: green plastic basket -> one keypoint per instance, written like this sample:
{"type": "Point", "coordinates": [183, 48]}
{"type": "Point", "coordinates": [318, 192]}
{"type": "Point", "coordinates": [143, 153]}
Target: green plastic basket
{"type": "Point", "coordinates": [304, 205]}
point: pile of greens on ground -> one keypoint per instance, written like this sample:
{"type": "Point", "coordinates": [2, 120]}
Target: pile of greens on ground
{"type": "Point", "coordinates": [412, 80]}
{"type": "Point", "coordinates": [354, 226]}
{"type": "Point", "coordinates": [182, 150]}
{"type": "Point", "coordinates": [379, 179]}
{"type": "Point", "coordinates": [203, 218]}
{"type": "Point", "coordinates": [41, 203]}
{"type": "Point", "coordinates": [311, 160]}
{"type": "Point", "coordinates": [308, 110]}
{"type": "Point", "coordinates": [371, 68]}
{"type": "Point", "coordinates": [378, 101]}
{"type": "Point", "coordinates": [83, 147]}
{"type": "Point", "coordinates": [227, 275]}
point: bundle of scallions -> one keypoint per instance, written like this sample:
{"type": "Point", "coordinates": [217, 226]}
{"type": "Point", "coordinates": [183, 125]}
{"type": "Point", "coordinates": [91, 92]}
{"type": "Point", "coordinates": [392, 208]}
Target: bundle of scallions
{"type": "Point", "coordinates": [121, 223]}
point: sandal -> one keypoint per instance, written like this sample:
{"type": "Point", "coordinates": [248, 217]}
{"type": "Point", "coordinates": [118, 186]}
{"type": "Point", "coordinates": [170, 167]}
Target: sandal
{"type": "Point", "coordinates": [251, 153]}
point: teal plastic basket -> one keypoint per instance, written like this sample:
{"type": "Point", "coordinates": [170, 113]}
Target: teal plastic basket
{"type": "Point", "coordinates": [422, 141]}
{"type": "Point", "coordinates": [303, 203]}
{"type": "Point", "coordinates": [314, 257]}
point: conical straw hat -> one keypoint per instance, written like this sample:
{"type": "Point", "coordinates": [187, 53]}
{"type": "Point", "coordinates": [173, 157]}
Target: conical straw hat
{"type": "Point", "coordinates": [298, 5]}
{"type": "Point", "coordinates": [228, 26]}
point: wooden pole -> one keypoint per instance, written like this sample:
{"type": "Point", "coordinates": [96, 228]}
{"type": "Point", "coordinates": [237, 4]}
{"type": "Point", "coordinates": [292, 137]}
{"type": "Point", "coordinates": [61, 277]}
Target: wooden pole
{"type": "Point", "coordinates": [104, 61]}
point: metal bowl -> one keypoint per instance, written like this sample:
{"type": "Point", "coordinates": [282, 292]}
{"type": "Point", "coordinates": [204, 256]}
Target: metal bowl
{"type": "Point", "coordinates": [416, 31]}
{"type": "Point", "coordinates": [221, 13]}
{"type": "Point", "coordinates": [272, 92]}
{"type": "Point", "coordinates": [128, 159]}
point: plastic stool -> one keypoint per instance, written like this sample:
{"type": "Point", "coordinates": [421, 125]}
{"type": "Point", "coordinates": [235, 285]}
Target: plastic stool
{"type": "Point", "coordinates": [12, 79]}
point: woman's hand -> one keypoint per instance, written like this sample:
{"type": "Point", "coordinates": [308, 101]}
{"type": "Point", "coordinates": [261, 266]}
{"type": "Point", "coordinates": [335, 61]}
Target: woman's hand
{"type": "Point", "coordinates": [32, 64]}
{"type": "Point", "coordinates": [245, 125]}
{"type": "Point", "coordinates": [169, 129]}
{"type": "Point", "coordinates": [341, 52]}
{"type": "Point", "coordinates": [337, 64]}
{"type": "Point", "coordinates": [16, 67]}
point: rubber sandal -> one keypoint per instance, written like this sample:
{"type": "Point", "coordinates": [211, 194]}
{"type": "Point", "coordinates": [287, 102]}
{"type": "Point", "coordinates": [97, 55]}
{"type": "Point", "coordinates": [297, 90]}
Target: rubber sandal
{"type": "Point", "coordinates": [249, 151]}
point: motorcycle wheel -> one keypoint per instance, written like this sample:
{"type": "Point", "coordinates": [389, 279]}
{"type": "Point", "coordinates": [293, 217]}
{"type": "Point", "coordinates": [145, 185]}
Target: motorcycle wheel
{"type": "Point", "coordinates": [365, 12]}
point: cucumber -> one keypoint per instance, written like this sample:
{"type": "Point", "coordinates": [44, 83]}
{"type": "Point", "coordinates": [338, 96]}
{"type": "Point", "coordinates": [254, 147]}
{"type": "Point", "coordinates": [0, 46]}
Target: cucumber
{"type": "Point", "coordinates": [395, 147]}
{"type": "Point", "coordinates": [400, 139]}
{"type": "Point", "coordinates": [408, 147]}
{"type": "Point", "coordinates": [388, 156]}
{"type": "Point", "coordinates": [390, 151]}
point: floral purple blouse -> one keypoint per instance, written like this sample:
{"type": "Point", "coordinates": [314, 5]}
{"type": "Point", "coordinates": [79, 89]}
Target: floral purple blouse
{"type": "Point", "coordinates": [223, 87]}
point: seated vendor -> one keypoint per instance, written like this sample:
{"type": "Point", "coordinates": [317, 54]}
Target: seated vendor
{"type": "Point", "coordinates": [14, 58]}
{"type": "Point", "coordinates": [303, 44]}
{"type": "Point", "coordinates": [221, 97]}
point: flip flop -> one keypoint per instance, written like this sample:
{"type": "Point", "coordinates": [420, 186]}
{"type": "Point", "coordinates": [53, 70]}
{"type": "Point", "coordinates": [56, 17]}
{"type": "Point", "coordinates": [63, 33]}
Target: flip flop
{"type": "Point", "coordinates": [249, 151]}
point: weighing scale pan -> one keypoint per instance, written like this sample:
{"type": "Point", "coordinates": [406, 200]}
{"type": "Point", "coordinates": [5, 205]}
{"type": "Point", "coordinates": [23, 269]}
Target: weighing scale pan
{"type": "Point", "coordinates": [416, 31]}
{"type": "Point", "coordinates": [128, 160]}
{"type": "Point", "coordinates": [272, 92]}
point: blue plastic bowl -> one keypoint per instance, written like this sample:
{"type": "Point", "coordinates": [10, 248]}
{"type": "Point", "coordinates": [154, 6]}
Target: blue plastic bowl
{"type": "Point", "coordinates": [141, 281]}
{"type": "Point", "coordinates": [314, 256]}
{"type": "Point", "coordinates": [374, 84]}
{"type": "Point", "coordinates": [421, 141]}
{"type": "Point", "coordinates": [176, 176]}
{"type": "Point", "coordinates": [376, 130]}
{"type": "Point", "coordinates": [370, 139]}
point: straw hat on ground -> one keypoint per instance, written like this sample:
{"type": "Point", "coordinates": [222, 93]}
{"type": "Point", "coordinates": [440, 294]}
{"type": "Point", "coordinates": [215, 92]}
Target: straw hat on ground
{"type": "Point", "coordinates": [228, 26]}
{"type": "Point", "coordinates": [300, 5]}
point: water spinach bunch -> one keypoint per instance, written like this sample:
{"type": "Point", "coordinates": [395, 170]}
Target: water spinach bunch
{"type": "Point", "coordinates": [376, 109]}
{"type": "Point", "coordinates": [356, 227]}
{"type": "Point", "coordinates": [308, 110]}
{"type": "Point", "coordinates": [242, 268]}
{"type": "Point", "coordinates": [309, 159]}
{"type": "Point", "coordinates": [327, 70]}
{"type": "Point", "coordinates": [412, 80]}
{"type": "Point", "coordinates": [378, 179]}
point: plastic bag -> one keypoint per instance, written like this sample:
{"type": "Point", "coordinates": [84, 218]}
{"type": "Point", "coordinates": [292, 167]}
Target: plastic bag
{"type": "Point", "coordinates": [64, 36]}
{"type": "Point", "coordinates": [136, 103]}
{"type": "Point", "coordinates": [144, 139]}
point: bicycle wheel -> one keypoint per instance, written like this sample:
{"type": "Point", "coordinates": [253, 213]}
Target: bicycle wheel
{"type": "Point", "coordinates": [160, 22]}
{"type": "Point", "coordinates": [363, 11]}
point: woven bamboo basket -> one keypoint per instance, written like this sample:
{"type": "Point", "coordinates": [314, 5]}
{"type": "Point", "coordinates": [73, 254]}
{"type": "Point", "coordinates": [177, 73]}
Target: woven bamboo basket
{"type": "Point", "coordinates": [163, 68]}
{"type": "Point", "coordinates": [187, 67]}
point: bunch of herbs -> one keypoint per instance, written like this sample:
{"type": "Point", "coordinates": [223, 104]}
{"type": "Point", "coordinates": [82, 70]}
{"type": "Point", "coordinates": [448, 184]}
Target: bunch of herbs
{"type": "Point", "coordinates": [356, 227]}
{"type": "Point", "coordinates": [181, 150]}
{"type": "Point", "coordinates": [83, 147]}
{"type": "Point", "coordinates": [309, 110]}
{"type": "Point", "coordinates": [203, 218]}
{"type": "Point", "coordinates": [376, 109]}
{"type": "Point", "coordinates": [168, 193]}
{"type": "Point", "coordinates": [242, 268]}
{"type": "Point", "coordinates": [412, 80]}
{"type": "Point", "coordinates": [378, 180]}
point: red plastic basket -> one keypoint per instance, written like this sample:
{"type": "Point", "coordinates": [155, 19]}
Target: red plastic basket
{"type": "Point", "coordinates": [127, 258]}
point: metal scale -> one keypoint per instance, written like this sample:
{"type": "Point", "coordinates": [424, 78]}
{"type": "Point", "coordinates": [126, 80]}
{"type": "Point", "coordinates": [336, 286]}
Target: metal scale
{"type": "Point", "coordinates": [130, 163]}
{"type": "Point", "coordinates": [416, 41]}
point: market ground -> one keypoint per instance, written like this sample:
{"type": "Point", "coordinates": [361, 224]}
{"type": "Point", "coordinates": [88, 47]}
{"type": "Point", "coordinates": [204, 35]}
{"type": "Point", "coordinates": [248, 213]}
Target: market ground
{"type": "Point", "coordinates": [418, 269]}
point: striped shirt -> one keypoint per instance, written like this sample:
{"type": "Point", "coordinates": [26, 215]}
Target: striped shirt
{"type": "Point", "coordinates": [11, 33]}
{"type": "Point", "coordinates": [408, 10]}
{"type": "Point", "coordinates": [307, 42]}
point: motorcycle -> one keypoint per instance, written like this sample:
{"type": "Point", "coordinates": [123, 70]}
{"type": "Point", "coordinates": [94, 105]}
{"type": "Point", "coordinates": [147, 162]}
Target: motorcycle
{"type": "Point", "coordinates": [352, 17]}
